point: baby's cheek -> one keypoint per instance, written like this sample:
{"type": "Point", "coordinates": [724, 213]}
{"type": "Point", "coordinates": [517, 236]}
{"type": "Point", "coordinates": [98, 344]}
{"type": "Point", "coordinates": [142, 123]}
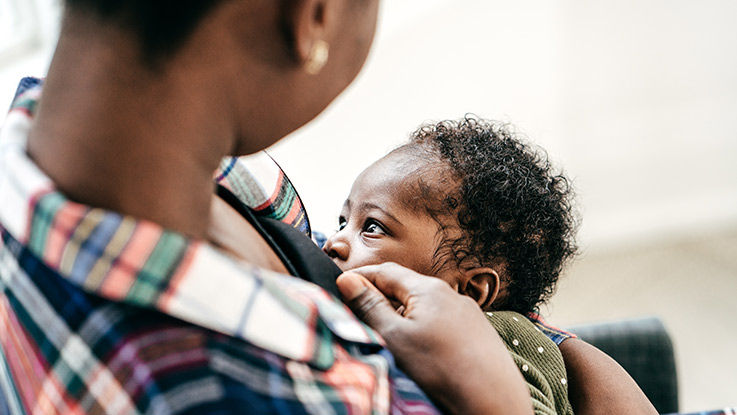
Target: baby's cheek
{"type": "Point", "coordinates": [414, 262]}
{"type": "Point", "coordinates": [451, 276]}
{"type": "Point", "coordinates": [391, 251]}
{"type": "Point", "coordinates": [378, 256]}
{"type": "Point", "coordinates": [423, 262]}
{"type": "Point", "coordinates": [357, 261]}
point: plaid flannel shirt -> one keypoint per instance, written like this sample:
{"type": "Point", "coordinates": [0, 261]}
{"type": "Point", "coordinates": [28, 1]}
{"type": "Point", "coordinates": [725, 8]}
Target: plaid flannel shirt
{"type": "Point", "coordinates": [105, 313]}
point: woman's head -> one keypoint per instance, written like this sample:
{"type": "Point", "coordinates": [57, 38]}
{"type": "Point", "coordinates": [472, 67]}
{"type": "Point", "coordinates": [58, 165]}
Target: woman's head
{"type": "Point", "coordinates": [480, 207]}
{"type": "Point", "coordinates": [275, 63]}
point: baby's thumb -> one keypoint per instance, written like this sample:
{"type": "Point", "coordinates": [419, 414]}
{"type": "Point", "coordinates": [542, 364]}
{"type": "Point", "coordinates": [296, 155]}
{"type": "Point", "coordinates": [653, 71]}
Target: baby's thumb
{"type": "Point", "coordinates": [367, 302]}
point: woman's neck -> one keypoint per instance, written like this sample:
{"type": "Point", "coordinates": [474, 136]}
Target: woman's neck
{"type": "Point", "coordinates": [111, 133]}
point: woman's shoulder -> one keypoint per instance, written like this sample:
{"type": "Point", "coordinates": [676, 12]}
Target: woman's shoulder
{"type": "Point", "coordinates": [260, 183]}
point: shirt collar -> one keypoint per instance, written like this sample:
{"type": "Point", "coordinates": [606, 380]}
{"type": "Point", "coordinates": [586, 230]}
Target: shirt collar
{"type": "Point", "coordinates": [138, 262]}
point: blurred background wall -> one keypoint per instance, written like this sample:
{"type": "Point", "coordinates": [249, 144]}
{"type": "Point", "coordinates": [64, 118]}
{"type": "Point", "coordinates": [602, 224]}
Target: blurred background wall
{"type": "Point", "coordinates": [637, 100]}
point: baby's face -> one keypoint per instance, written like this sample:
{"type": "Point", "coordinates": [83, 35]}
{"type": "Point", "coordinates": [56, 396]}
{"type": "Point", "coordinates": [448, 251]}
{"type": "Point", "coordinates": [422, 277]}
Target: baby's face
{"type": "Point", "coordinates": [377, 226]}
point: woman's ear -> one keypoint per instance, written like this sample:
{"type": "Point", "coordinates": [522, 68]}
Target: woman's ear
{"type": "Point", "coordinates": [482, 284]}
{"type": "Point", "coordinates": [307, 24]}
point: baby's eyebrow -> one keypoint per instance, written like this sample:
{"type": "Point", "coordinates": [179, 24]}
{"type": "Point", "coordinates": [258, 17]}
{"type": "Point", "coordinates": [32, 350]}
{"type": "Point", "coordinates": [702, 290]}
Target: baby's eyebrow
{"type": "Point", "coordinates": [369, 206]}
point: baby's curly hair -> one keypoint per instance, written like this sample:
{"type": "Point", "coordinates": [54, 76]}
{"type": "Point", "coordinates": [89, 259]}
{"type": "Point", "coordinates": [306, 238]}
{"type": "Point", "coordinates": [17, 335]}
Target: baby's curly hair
{"type": "Point", "coordinates": [513, 209]}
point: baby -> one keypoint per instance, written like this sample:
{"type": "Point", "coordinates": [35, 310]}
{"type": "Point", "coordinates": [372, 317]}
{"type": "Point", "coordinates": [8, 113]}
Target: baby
{"type": "Point", "coordinates": [470, 203]}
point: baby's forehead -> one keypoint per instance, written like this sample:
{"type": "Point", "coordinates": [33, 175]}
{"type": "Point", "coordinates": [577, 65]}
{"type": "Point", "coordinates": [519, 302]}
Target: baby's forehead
{"type": "Point", "coordinates": [381, 181]}
{"type": "Point", "coordinates": [406, 180]}
{"type": "Point", "coordinates": [395, 173]}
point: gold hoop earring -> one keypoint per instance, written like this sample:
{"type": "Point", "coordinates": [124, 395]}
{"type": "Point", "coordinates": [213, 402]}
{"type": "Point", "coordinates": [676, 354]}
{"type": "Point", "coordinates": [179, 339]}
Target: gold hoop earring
{"type": "Point", "coordinates": [318, 57]}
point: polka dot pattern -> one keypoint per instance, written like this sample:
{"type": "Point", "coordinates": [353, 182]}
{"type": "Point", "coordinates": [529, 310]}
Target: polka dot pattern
{"type": "Point", "coordinates": [537, 358]}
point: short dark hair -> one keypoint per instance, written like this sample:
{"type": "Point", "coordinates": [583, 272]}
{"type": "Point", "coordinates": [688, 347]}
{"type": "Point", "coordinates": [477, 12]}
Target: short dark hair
{"type": "Point", "coordinates": [513, 209]}
{"type": "Point", "coordinates": [162, 26]}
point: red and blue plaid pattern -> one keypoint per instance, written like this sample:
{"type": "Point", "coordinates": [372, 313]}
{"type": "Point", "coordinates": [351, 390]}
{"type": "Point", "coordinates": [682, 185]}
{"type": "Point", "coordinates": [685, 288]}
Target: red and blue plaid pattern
{"type": "Point", "coordinates": [272, 195]}
{"type": "Point", "coordinates": [105, 313]}
{"type": "Point", "coordinates": [553, 333]}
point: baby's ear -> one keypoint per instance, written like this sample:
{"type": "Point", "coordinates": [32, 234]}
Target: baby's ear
{"type": "Point", "coordinates": [482, 284]}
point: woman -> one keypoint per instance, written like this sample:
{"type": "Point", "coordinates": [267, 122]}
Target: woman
{"type": "Point", "coordinates": [122, 294]}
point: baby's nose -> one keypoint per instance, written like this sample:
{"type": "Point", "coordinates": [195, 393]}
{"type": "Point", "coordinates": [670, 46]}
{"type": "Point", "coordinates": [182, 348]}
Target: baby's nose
{"type": "Point", "coordinates": [337, 248]}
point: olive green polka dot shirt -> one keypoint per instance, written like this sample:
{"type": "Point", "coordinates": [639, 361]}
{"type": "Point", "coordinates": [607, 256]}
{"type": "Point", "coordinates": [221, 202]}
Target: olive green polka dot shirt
{"type": "Point", "coordinates": [538, 359]}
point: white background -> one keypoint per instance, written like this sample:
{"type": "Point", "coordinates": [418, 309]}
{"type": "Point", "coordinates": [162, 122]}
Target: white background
{"type": "Point", "coordinates": [637, 100]}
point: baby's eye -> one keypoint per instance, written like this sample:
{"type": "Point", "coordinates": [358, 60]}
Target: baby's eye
{"type": "Point", "coordinates": [373, 227]}
{"type": "Point", "coordinates": [341, 223]}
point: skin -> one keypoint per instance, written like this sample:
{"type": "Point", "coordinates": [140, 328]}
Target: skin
{"type": "Point", "coordinates": [145, 142]}
{"type": "Point", "coordinates": [599, 385]}
{"type": "Point", "coordinates": [376, 226]}
{"type": "Point", "coordinates": [113, 132]}
{"type": "Point", "coordinates": [427, 301]}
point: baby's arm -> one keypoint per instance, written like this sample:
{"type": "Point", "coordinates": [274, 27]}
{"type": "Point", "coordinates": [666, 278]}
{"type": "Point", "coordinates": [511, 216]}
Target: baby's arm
{"type": "Point", "coordinates": [599, 385]}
